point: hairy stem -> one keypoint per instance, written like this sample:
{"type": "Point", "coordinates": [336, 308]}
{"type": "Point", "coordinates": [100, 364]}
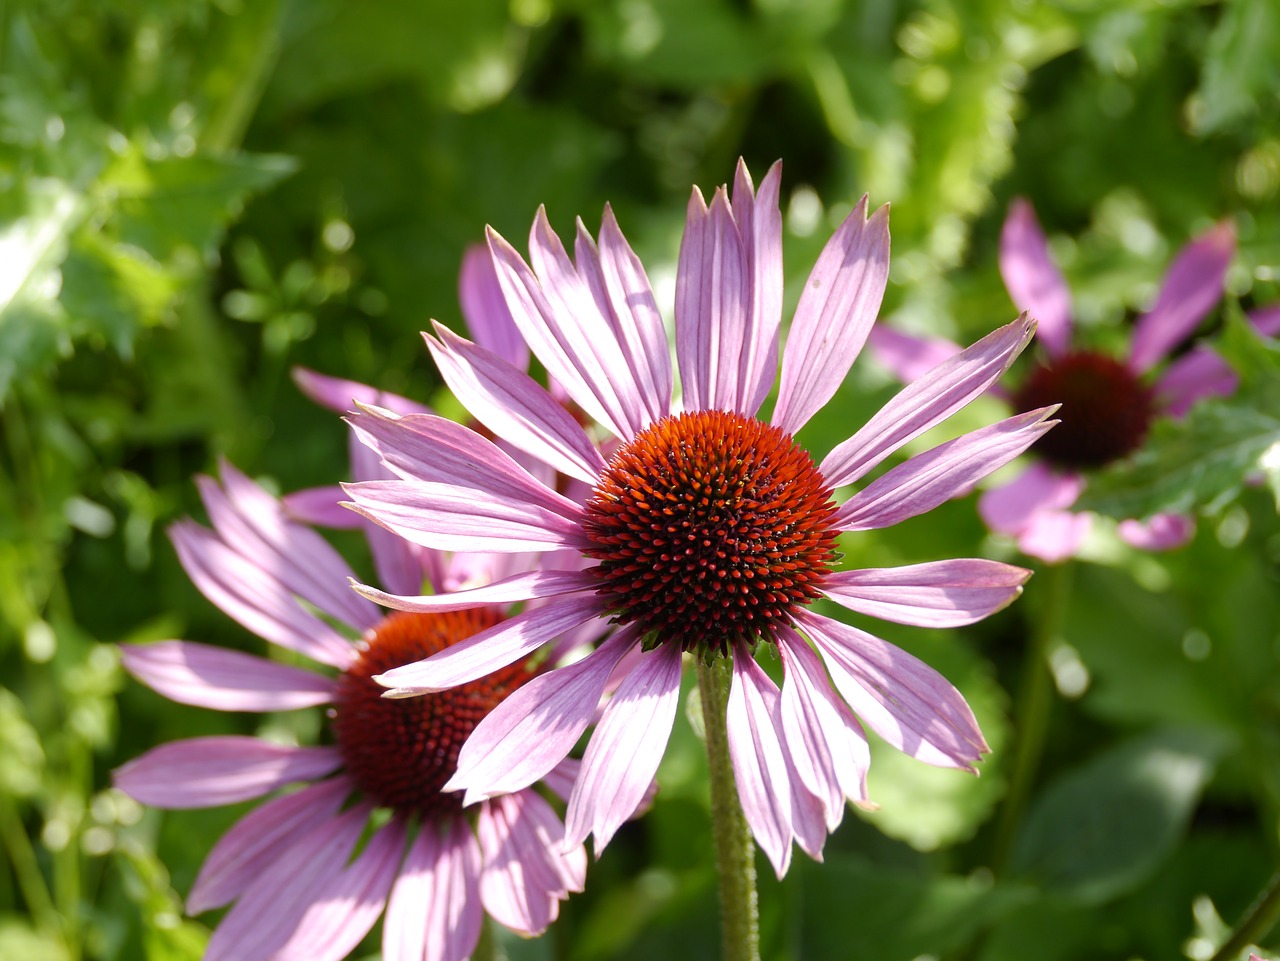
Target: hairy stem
{"type": "Point", "coordinates": [1256, 923]}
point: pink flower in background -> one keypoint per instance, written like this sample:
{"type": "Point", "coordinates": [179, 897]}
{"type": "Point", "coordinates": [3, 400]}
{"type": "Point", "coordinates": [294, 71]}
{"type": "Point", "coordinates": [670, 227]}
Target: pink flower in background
{"type": "Point", "coordinates": [289, 869]}
{"type": "Point", "coordinates": [709, 530]}
{"type": "Point", "coordinates": [1108, 404]}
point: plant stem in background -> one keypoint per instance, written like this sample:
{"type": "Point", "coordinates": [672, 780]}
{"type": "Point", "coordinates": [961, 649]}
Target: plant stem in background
{"type": "Point", "coordinates": [735, 849]}
{"type": "Point", "coordinates": [1256, 923]}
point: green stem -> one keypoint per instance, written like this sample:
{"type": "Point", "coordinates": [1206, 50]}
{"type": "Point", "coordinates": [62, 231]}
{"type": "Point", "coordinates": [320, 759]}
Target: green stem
{"type": "Point", "coordinates": [1032, 709]}
{"type": "Point", "coordinates": [1257, 922]}
{"type": "Point", "coordinates": [26, 868]}
{"type": "Point", "coordinates": [735, 849]}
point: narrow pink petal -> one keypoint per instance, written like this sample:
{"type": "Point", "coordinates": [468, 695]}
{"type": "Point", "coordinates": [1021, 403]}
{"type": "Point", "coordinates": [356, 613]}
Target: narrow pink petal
{"type": "Point", "coordinates": [1009, 508]}
{"type": "Point", "coordinates": [260, 603]}
{"type": "Point", "coordinates": [434, 913]}
{"type": "Point", "coordinates": [909, 357]}
{"type": "Point", "coordinates": [836, 310]}
{"type": "Point", "coordinates": [1266, 320]}
{"type": "Point", "coordinates": [1198, 374]}
{"type": "Point", "coordinates": [207, 676]}
{"type": "Point", "coordinates": [253, 524]}
{"type": "Point", "coordinates": [532, 731]}
{"type": "Point", "coordinates": [759, 765]}
{"type": "Point", "coordinates": [1033, 280]}
{"type": "Point", "coordinates": [560, 779]}
{"type": "Point", "coordinates": [205, 772]}
{"type": "Point", "coordinates": [519, 885]}
{"type": "Point", "coordinates": [625, 298]}
{"type": "Point", "coordinates": [320, 507]}
{"type": "Point", "coordinates": [1191, 288]}
{"type": "Point", "coordinates": [711, 305]}
{"type": "Point", "coordinates": [1160, 532]}
{"type": "Point", "coordinates": [1053, 535]}
{"type": "Point", "coordinates": [518, 587]}
{"type": "Point", "coordinates": [511, 404]}
{"type": "Point", "coordinates": [623, 754]}
{"type": "Point", "coordinates": [823, 739]}
{"type": "Point", "coordinates": [261, 838]}
{"type": "Point", "coordinates": [447, 517]}
{"type": "Point", "coordinates": [759, 218]}
{"type": "Point", "coordinates": [485, 309]}
{"type": "Point", "coordinates": [927, 401]}
{"type": "Point", "coordinates": [349, 905]}
{"type": "Point", "coordinates": [948, 470]}
{"type": "Point", "coordinates": [482, 654]}
{"type": "Point", "coordinates": [935, 594]}
{"type": "Point", "coordinates": [343, 395]}
{"type": "Point", "coordinates": [898, 696]}
{"type": "Point", "coordinates": [270, 910]}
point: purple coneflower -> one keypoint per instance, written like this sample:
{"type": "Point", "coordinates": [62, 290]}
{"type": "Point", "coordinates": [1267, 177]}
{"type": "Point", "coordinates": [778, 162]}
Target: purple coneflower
{"type": "Point", "coordinates": [1108, 403]}
{"type": "Point", "coordinates": [290, 870]}
{"type": "Point", "coordinates": [711, 530]}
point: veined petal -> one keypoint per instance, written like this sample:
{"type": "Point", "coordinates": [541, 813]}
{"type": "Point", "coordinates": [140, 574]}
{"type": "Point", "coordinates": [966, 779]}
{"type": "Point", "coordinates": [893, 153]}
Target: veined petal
{"type": "Point", "coordinates": [1191, 286]}
{"type": "Point", "coordinates": [623, 754]}
{"type": "Point", "coordinates": [434, 913]}
{"type": "Point", "coordinates": [447, 517]}
{"type": "Point", "coordinates": [206, 676]}
{"type": "Point", "coordinates": [907, 356]}
{"type": "Point", "coordinates": [929, 479]}
{"type": "Point", "coordinates": [834, 316]}
{"type": "Point", "coordinates": [1160, 532]}
{"type": "Point", "coordinates": [511, 404]}
{"type": "Point", "coordinates": [927, 401]}
{"type": "Point", "coordinates": [1008, 509]}
{"type": "Point", "coordinates": [898, 696]}
{"type": "Point", "coordinates": [482, 654]}
{"type": "Point", "coordinates": [518, 587]}
{"type": "Point", "coordinates": [935, 594]}
{"type": "Point", "coordinates": [260, 603]}
{"type": "Point", "coordinates": [759, 218]}
{"type": "Point", "coordinates": [1033, 280]}
{"type": "Point", "coordinates": [759, 765]}
{"type": "Point", "coordinates": [485, 309]}
{"type": "Point", "coordinates": [711, 305]}
{"type": "Point", "coordinates": [343, 395]}
{"type": "Point", "coordinates": [205, 772]}
{"type": "Point", "coordinates": [522, 882]}
{"type": "Point", "coordinates": [261, 838]}
{"type": "Point", "coordinates": [321, 507]}
{"type": "Point", "coordinates": [401, 565]}
{"type": "Point", "coordinates": [536, 726]}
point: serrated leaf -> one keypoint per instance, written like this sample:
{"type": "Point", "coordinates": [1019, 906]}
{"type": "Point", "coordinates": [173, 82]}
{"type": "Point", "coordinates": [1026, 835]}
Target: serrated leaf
{"type": "Point", "coordinates": [1102, 829]}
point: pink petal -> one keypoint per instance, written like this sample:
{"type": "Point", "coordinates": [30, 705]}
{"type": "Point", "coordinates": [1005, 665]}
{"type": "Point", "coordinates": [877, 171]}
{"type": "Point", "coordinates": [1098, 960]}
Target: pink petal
{"type": "Point", "coordinates": [759, 765]}
{"type": "Point", "coordinates": [524, 877]}
{"type": "Point", "coordinates": [909, 357]}
{"type": "Point", "coordinates": [204, 772]}
{"type": "Point", "coordinates": [485, 309]}
{"type": "Point", "coordinates": [759, 220]}
{"type": "Point", "coordinates": [950, 469]}
{"type": "Point", "coordinates": [260, 603]}
{"type": "Point", "coordinates": [623, 754]}
{"type": "Point", "coordinates": [898, 696]}
{"type": "Point", "coordinates": [518, 587]}
{"type": "Point", "coordinates": [531, 731]}
{"type": "Point", "coordinates": [482, 654]}
{"type": "Point", "coordinates": [1198, 374]}
{"type": "Point", "coordinates": [1266, 320]}
{"type": "Point", "coordinates": [935, 594]}
{"type": "Point", "coordinates": [1033, 280]}
{"type": "Point", "coordinates": [349, 905]}
{"type": "Point", "coordinates": [1054, 536]}
{"type": "Point", "coordinates": [434, 913]}
{"type": "Point", "coordinates": [834, 316]}
{"type": "Point", "coordinates": [343, 395]}
{"type": "Point", "coordinates": [511, 404]}
{"type": "Point", "coordinates": [320, 507]}
{"type": "Point", "coordinates": [1191, 288]}
{"type": "Point", "coordinates": [927, 401]}
{"type": "Point", "coordinates": [207, 676]}
{"type": "Point", "coordinates": [1160, 532]}
{"type": "Point", "coordinates": [261, 838]}
{"type": "Point", "coordinates": [1009, 508]}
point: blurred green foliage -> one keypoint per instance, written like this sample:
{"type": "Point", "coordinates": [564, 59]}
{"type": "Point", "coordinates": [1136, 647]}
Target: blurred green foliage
{"type": "Point", "coordinates": [197, 194]}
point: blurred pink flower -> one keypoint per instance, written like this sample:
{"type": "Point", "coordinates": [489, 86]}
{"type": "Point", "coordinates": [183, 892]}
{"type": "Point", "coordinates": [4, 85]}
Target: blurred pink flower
{"type": "Point", "coordinates": [710, 530]}
{"type": "Point", "coordinates": [1108, 404]}
{"type": "Point", "coordinates": [299, 888]}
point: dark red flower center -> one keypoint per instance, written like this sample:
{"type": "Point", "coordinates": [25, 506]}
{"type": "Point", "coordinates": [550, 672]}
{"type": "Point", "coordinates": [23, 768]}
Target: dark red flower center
{"type": "Point", "coordinates": [401, 751]}
{"type": "Point", "coordinates": [1105, 411]}
{"type": "Point", "coordinates": [710, 527]}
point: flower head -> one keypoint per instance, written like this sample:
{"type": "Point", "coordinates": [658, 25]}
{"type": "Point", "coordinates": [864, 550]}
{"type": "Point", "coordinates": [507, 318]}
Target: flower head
{"type": "Point", "coordinates": [1108, 403]}
{"type": "Point", "coordinates": [289, 868]}
{"type": "Point", "coordinates": [709, 529]}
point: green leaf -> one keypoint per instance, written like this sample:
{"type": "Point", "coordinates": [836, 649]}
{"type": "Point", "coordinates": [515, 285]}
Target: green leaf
{"type": "Point", "coordinates": [1240, 66]}
{"type": "Point", "coordinates": [1101, 830]}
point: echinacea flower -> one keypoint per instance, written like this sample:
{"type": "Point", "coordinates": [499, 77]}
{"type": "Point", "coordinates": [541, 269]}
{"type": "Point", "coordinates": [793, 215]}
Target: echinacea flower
{"type": "Point", "coordinates": [710, 530]}
{"type": "Point", "coordinates": [290, 870]}
{"type": "Point", "coordinates": [1108, 403]}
